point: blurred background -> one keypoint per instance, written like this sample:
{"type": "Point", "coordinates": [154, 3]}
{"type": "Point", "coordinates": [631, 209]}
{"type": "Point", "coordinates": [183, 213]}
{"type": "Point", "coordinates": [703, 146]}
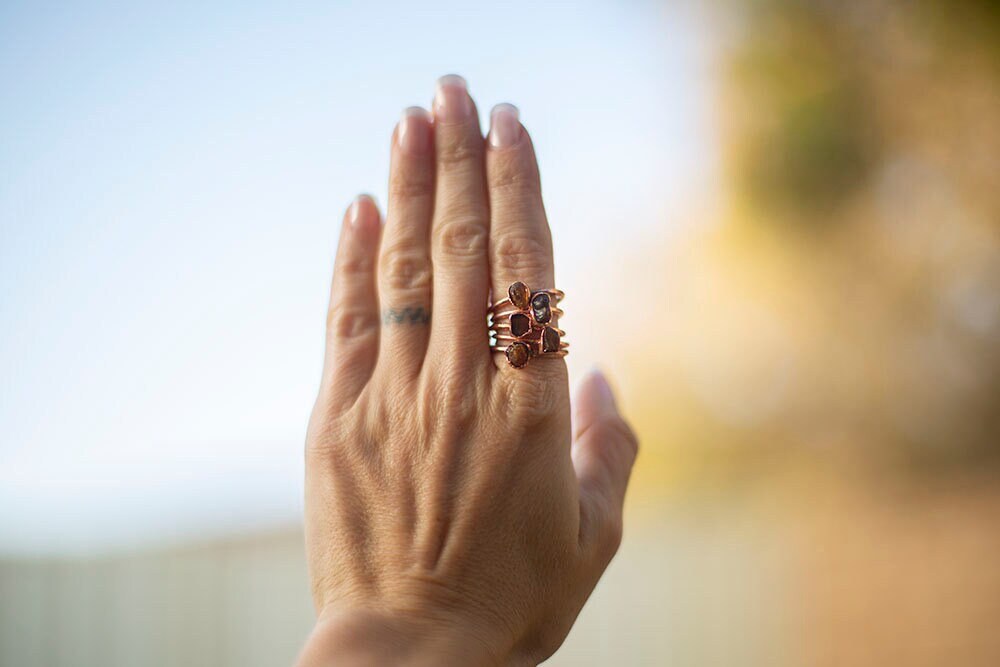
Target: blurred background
{"type": "Point", "coordinates": [800, 198]}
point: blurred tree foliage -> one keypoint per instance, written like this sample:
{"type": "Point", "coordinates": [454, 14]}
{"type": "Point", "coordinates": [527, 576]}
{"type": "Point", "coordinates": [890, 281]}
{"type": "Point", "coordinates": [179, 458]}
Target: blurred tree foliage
{"type": "Point", "coordinates": [828, 353]}
{"type": "Point", "coordinates": [806, 100]}
{"type": "Point", "coordinates": [847, 305]}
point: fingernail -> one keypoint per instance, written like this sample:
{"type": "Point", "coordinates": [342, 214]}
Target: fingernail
{"type": "Point", "coordinates": [451, 101]}
{"type": "Point", "coordinates": [505, 128]}
{"type": "Point", "coordinates": [356, 215]}
{"type": "Point", "coordinates": [603, 388]}
{"type": "Point", "coordinates": [414, 133]}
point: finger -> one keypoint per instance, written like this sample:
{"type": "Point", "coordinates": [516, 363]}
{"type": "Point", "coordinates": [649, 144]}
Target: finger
{"type": "Point", "coordinates": [352, 323]}
{"type": "Point", "coordinates": [604, 449]}
{"type": "Point", "coordinates": [460, 229]}
{"type": "Point", "coordinates": [520, 241]}
{"type": "Point", "coordinates": [405, 264]}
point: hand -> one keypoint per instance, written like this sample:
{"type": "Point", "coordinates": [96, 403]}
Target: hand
{"type": "Point", "coordinates": [448, 520]}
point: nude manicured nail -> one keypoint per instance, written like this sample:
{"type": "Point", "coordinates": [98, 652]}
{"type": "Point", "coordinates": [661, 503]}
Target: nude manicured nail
{"type": "Point", "coordinates": [414, 133]}
{"type": "Point", "coordinates": [603, 388]}
{"type": "Point", "coordinates": [356, 216]}
{"type": "Point", "coordinates": [505, 126]}
{"type": "Point", "coordinates": [451, 101]}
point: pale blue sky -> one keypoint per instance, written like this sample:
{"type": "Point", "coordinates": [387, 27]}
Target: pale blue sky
{"type": "Point", "coordinates": [172, 177]}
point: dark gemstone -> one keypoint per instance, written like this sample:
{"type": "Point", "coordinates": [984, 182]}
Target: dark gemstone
{"type": "Point", "coordinates": [540, 307]}
{"type": "Point", "coordinates": [520, 324]}
{"type": "Point", "coordinates": [518, 354]}
{"type": "Point", "coordinates": [550, 340]}
{"type": "Point", "coordinates": [519, 295]}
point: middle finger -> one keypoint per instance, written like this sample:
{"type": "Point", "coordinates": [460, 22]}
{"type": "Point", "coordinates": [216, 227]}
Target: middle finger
{"type": "Point", "coordinates": [460, 230]}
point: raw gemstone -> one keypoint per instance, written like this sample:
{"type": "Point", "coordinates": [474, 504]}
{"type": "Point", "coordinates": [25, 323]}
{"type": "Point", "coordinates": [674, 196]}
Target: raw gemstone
{"type": "Point", "coordinates": [518, 354]}
{"type": "Point", "coordinates": [540, 307]}
{"type": "Point", "coordinates": [520, 324]}
{"type": "Point", "coordinates": [550, 340]}
{"type": "Point", "coordinates": [519, 295]}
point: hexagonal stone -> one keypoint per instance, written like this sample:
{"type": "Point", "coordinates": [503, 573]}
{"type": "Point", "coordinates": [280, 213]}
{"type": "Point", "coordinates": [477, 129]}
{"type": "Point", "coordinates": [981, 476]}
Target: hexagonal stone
{"type": "Point", "coordinates": [520, 324]}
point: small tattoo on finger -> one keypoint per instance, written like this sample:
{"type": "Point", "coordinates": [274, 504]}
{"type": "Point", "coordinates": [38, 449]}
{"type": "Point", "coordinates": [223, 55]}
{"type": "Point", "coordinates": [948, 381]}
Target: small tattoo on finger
{"type": "Point", "coordinates": [409, 315]}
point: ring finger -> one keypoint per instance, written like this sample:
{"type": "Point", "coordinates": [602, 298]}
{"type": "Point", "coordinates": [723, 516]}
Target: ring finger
{"type": "Point", "coordinates": [405, 273]}
{"type": "Point", "coordinates": [520, 241]}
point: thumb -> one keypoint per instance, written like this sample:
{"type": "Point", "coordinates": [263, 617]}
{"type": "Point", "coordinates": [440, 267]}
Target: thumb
{"type": "Point", "coordinates": [604, 449]}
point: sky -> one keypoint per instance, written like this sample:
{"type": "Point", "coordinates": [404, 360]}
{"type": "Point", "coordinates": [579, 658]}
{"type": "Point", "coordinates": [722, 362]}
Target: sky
{"type": "Point", "coordinates": [172, 178]}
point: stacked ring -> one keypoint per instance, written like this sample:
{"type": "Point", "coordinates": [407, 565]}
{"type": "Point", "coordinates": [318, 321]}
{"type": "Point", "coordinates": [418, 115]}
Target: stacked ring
{"type": "Point", "coordinates": [523, 325]}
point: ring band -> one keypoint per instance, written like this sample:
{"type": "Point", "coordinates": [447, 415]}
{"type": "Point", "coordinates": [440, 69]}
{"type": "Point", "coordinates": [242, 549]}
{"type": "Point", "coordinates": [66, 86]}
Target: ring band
{"type": "Point", "coordinates": [523, 325]}
{"type": "Point", "coordinates": [503, 329]}
{"type": "Point", "coordinates": [510, 339]}
{"type": "Point", "coordinates": [507, 310]}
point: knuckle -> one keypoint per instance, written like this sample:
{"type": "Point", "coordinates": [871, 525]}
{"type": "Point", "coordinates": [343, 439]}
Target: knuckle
{"type": "Point", "coordinates": [329, 427]}
{"type": "Point", "coordinates": [406, 269]}
{"type": "Point", "coordinates": [508, 177]}
{"type": "Point", "coordinates": [322, 434]}
{"type": "Point", "coordinates": [355, 265]}
{"type": "Point", "coordinates": [457, 405]}
{"type": "Point", "coordinates": [614, 429]}
{"type": "Point", "coordinates": [459, 152]}
{"type": "Point", "coordinates": [458, 390]}
{"type": "Point", "coordinates": [347, 323]}
{"type": "Point", "coordinates": [520, 253]}
{"type": "Point", "coordinates": [533, 395]}
{"type": "Point", "coordinates": [464, 236]}
{"type": "Point", "coordinates": [410, 186]}
{"type": "Point", "coordinates": [323, 448]}
{"type": "Point", "coordinates": [536, 397]}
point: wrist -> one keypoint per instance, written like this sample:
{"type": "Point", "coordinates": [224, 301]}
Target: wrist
{"type": "Point", "coordinates": [363, 637]}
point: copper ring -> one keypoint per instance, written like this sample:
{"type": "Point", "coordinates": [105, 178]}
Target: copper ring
{"type": "Point", "coordinates": [501, 338]}
{"type": "Point", "coordinates": [523, 325]}
{"type": "Point", "coordinates": [503, 329]}
{"type": "Point", "coordinates": [507, 310]}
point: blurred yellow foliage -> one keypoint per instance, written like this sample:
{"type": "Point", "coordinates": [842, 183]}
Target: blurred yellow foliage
{"type": "Point", "coordinates": [827, 355]}
{"type": "Point", "coordinates": [849, 301]}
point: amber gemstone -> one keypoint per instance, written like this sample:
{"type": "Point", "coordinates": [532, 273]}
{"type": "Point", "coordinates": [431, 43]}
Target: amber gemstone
{"type": "Point", "coordinates": [519, 295]}
{"type": "Point", "coordinates": [518, 354]}
{"type": "Point", "coordinates": [540, 307]}
{"type": "Point", "coordinates": [520, 324]}
{"type": "Point", "coordinates": [550, 340]}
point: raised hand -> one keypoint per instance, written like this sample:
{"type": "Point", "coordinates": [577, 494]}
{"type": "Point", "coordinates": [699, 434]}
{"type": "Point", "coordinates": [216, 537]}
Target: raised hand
{"type": "Point", "coordinates": [452, 517]}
